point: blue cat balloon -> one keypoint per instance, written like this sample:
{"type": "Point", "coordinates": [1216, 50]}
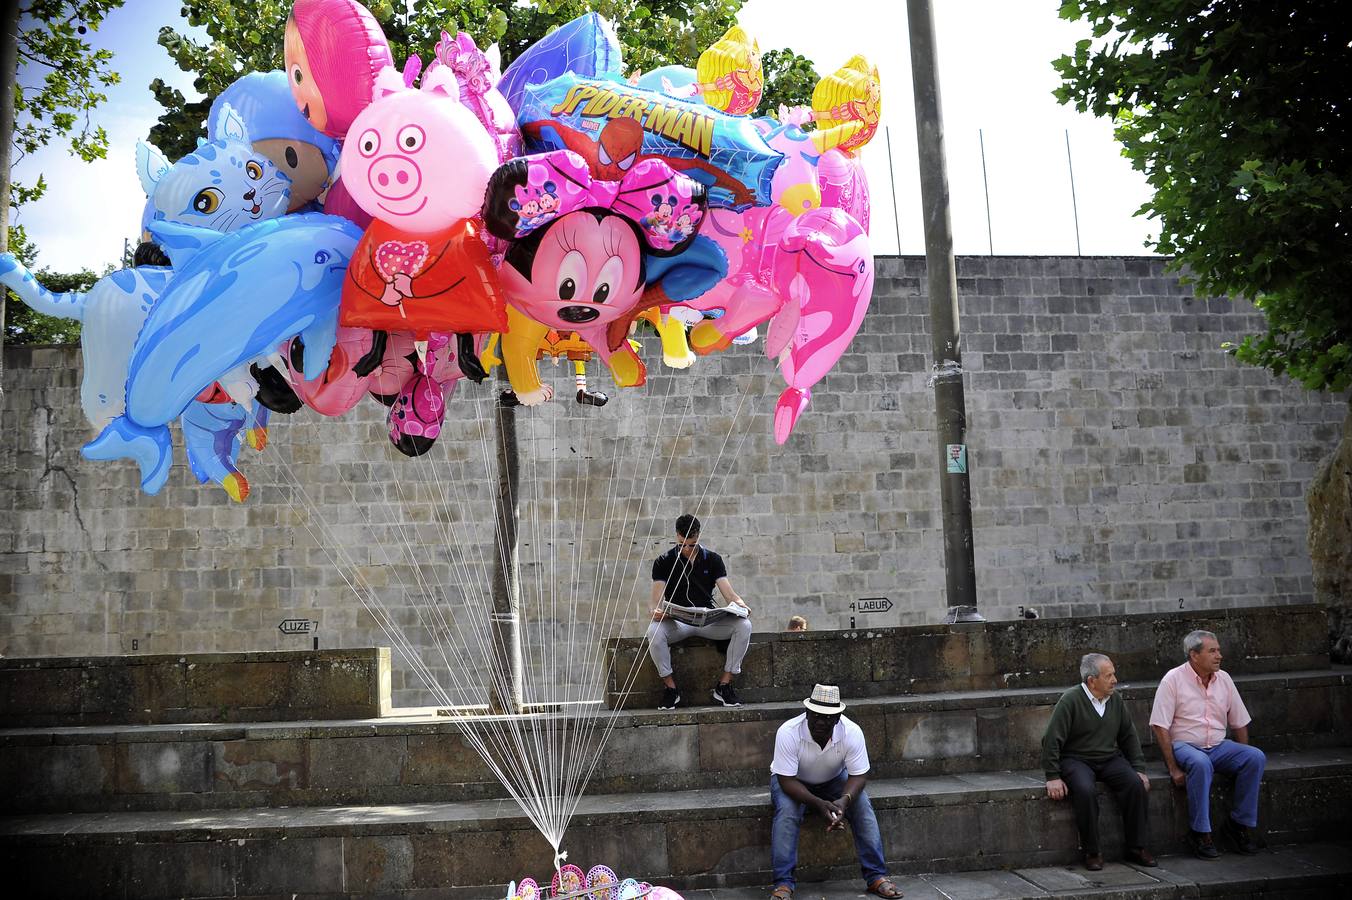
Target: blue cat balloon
{"type": "Point", "coordinates": [233, 300]}
{"type": "Point", "coordinates": [223, 185]}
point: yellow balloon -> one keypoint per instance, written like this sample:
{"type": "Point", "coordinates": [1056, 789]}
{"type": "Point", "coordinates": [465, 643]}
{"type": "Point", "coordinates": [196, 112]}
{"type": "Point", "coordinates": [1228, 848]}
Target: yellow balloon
{"type": "Point", "coordinates": [847, 106]}
{"type": "Point", "coordinates": [729, 73]}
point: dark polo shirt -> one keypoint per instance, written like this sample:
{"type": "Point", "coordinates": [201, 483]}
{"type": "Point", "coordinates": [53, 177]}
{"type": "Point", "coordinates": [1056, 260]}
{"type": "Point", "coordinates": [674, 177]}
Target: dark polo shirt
{"type": "Point", "coordinates": [690, 583]}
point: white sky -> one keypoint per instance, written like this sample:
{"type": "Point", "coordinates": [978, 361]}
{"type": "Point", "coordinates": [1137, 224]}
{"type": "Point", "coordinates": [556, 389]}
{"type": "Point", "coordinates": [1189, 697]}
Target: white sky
{"type": "Point", "coordinates": [995, 75]}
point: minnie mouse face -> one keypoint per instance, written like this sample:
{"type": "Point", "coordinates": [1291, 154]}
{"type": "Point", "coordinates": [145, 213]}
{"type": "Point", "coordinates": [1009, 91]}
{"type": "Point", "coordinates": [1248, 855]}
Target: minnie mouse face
{"type": "Point", "coordinates": [534, 205]}
{"type": "Point", "coordinates": [527, 210]}
{"type": "Point", "coordinates": [583, 269]}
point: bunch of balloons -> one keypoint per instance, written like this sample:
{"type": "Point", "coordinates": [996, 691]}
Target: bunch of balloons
{"type": "Point", "coordinates": [598, 883]}
{"type": "Point", "coordinates": [351, 228]}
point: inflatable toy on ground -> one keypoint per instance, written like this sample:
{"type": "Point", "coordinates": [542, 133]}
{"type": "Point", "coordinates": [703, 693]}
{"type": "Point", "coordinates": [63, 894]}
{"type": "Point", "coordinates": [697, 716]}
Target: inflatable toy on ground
{"type": "Point", "coordinates": [418, 162]}
{"type": "Point", "coordinates": [614, 126]}
{"type": "Point", "coordinates": [585, 253]}
{"type": "Point", "coordinates": [233, 300]}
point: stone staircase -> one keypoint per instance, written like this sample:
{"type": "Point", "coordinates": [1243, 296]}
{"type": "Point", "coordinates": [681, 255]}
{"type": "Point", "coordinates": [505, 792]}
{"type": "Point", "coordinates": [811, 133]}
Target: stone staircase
{"type": "Point", "coordinates": [399, 804]}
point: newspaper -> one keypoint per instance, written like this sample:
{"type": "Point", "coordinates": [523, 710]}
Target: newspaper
{"type": "Point", "coordinates": [699, 615]}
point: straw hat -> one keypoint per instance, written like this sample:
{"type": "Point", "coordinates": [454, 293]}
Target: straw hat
{"type": "Point", "coordinates": [825, 699]}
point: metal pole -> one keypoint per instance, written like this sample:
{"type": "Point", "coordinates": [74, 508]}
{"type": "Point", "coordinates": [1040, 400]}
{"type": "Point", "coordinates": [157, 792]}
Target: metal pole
{"type": "Point", "coordinates": [985, 182]}
{"type": "Point", "coordinates": [950, 406]}
{"type": "Point", "coordinates": [896, 216]}
{"type": "Point", "coordinates": [506, 695]}
{"type": "Point", "coordinates": [1074, 204]}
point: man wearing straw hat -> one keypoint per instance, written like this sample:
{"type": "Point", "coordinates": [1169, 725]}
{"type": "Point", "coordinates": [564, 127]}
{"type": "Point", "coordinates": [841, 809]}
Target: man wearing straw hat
{"type": "Point", "coordinates": [821, 763]}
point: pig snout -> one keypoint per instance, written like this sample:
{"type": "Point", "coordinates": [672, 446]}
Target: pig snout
{"type": "Point", "coordinates": [395, 177]}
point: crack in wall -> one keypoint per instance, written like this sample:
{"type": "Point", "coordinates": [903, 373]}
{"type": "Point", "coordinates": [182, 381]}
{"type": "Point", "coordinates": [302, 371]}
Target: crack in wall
{"type": "Point", "coordinates": [50, 467]}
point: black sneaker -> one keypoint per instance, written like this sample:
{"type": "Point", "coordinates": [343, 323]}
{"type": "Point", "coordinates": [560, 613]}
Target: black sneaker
{"type": "Point", "coordinates": [727, 695]}
{"type": "Point", "coordinates": [1202, 845]}
{"type": "Point", "coordinates": [671, 698]}
{"type": "Point", "coordinates": [1240, 836]}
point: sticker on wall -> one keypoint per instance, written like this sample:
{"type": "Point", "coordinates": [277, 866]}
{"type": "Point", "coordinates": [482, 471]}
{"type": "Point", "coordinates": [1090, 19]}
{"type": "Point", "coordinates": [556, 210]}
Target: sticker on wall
{"type": "Point", "coordinates": [957, 459]}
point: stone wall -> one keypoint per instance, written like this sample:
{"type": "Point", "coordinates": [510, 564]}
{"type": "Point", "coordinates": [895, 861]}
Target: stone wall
{"type": "Point", "coordinates": [1121, 462]}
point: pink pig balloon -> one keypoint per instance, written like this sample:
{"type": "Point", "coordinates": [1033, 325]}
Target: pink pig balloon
{"type": "Point", "coordinates": [418, 159]}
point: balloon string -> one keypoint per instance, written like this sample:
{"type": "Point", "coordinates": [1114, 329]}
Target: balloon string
{"type": "Point", "coordinates": [546, 756]}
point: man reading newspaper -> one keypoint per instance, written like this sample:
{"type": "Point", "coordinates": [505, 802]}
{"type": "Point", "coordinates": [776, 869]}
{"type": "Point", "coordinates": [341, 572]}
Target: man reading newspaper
{"type": "Point", "coordinates": [684, 579]}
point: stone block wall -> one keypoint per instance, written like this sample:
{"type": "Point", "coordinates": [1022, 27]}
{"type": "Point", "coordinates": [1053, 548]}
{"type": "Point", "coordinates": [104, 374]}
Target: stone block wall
{"type": "Point", "coordinates": [1121, 463]}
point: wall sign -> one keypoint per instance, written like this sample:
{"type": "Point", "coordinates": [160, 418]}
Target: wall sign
{"type": "Point", "coordinates": [957, 459]}
{"type": "Point", "coordinates": [870, 605]}
{"type": "Point", "coordinates": [297, 626]}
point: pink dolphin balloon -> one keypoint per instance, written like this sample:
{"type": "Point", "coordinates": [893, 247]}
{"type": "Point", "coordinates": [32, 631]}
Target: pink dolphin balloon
{"type": "Point", "coordinates": [826, 273]}
{"type": "Point", "coordinates": [341, 386]}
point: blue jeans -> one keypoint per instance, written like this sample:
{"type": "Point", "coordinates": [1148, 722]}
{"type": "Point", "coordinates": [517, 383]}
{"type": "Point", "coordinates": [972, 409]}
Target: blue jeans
{"type": "Point", "coordinates": [868, 840]}
{"type": "Point", "coordinates": [1246, 763]}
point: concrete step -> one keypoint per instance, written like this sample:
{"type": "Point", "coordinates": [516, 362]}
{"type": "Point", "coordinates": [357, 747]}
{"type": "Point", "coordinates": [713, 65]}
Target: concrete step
{"type": "Point", "coordinates": [424, 758]}
{"type": "Point", "coordinates": [688, 839]}
{"type": "Point", "coordinates": [1294, 871]}
{"type": "Point", "coordinates": [264, 686]}
{"type": "Point", "coordinates": [978, 656]}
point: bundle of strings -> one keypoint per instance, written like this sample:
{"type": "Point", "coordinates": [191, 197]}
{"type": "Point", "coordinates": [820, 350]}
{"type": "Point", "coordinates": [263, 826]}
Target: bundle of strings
{"type": "Point", "coordinates": [420, 542]}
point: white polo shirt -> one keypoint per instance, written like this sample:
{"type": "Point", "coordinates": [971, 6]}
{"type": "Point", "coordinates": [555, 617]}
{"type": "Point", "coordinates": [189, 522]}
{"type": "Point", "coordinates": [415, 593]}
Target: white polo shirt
{"type": "Point", "coordinates": [798, 755]}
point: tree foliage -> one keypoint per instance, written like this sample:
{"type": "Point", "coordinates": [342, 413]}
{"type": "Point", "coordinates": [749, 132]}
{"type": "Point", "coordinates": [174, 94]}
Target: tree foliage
{"type": "Point", "coordinates": [246, 36]}
{"type": "Point", "coordinates": [61, 81]}
{"type": "Point", "coordinates": [789, 80]}
{"type": "Point", "coordinates": [1238, 114]}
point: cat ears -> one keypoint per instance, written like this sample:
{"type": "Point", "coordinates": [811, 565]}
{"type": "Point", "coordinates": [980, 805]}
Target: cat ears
{"type": "Point", "coordinates": [229, 125]}
{"type": "Point", "coordinates": [150, 166]}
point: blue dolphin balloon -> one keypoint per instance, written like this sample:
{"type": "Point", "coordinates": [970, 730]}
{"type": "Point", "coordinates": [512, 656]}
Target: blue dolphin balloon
{"type": "Point", "coordinates": [234, 299]}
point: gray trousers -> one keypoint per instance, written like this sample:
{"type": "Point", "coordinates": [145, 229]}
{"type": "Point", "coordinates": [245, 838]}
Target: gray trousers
{"type": "Point", "coordinates": [661, 635]}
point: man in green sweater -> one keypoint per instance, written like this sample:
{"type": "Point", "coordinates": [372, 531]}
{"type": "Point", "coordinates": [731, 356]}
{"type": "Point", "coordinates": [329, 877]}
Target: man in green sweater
{"type": "Point", "coordinates": [1091, 738]}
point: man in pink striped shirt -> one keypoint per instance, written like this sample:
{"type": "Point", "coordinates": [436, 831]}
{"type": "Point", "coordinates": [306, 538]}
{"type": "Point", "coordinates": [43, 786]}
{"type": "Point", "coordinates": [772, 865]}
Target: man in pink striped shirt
{"type": "Point", "coordinates": [1194, 706]}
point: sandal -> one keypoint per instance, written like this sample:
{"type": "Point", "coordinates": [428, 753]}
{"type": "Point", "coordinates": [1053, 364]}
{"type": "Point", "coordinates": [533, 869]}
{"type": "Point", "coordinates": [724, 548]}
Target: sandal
{"type": "Point", "coordinates": [782, 892]}
{"type": "Point", "coordinates": [884, 887]}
